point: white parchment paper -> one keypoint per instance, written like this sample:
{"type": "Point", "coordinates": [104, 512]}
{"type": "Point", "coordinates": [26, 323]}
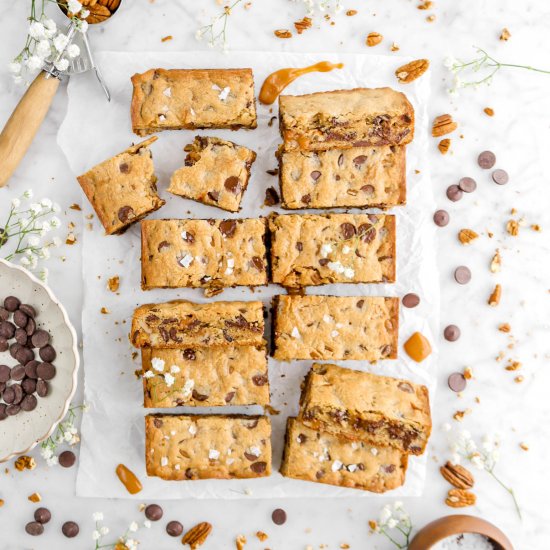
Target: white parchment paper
{"type": "Point", "coordinates": [93, 130]}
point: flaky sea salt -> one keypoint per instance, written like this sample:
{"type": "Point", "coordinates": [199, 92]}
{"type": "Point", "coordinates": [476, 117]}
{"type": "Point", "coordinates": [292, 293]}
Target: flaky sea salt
{"type": "Point", "coordinates": [464, 541]}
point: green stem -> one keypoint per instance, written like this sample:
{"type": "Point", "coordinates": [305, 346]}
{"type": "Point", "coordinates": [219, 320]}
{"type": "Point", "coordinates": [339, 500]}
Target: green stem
{"type": "Point", "coordinates": [393, 541]}
{"type": "Point", "coordinates": [510, 490]}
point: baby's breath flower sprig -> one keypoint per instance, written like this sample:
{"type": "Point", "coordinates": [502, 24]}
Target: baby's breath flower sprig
{"type": "Point", "coordinates": [395, 524]}
{"type": "Point", "coordinates": [216, 32]}
{"type": "Point", "coordinates": [66, 432]}
{"type": "Point", "coordinates": [45, 42]}
{"type": "Point", "coordinates": [479, 70]}
{"type": "Point", "coordinates": [329, 6]}
{"type": "Point", "coordinates": [127, 541]}
{"type": "Point", "coordinates": [24, 231]}
{"type": "Point", "coordinates": [483, 457]}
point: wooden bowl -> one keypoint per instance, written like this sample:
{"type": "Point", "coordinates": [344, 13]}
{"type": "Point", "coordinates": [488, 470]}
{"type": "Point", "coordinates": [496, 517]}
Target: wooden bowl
{"type": "Point", "coordinates": [454, 525]}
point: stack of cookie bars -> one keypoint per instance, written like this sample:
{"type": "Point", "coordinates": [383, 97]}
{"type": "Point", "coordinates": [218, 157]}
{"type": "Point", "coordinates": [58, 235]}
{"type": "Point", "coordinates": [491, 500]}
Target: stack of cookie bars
{"type": "Point", "coordinates": [341, 149]}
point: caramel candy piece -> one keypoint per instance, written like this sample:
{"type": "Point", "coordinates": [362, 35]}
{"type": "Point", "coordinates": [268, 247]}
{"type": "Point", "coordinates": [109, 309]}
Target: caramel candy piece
{"type": "Point", "coordinates": [418, 347]}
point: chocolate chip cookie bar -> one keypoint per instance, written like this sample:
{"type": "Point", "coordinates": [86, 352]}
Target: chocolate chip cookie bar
{"type": "Point", "coordinates": [123, 189]}
{"type": "Point", "coordinates": [362, 406]}
{"type": "Point", "coordinates": [183, 324]}
{"type": "Point", "coordinates": [179, 99]}
{"type": "Point", "coordinates": [209, 254]}
{"type": "Point", "coordinates": [216, 172]}
{"type": "Point", "coordinates": [205, 377]}
{"type": "Point", "coordinates": [335, 327]}
{"type": "Point", "coordinates": [361, 117]}
{"type": "Point", "coordinates": [207, 447]}
{"type": "Point", "coordinates": [325, 458]}
{"type": "Point", "coordinates": [359, 177]}
{"type": "Point", "coordinates": [332, 248]}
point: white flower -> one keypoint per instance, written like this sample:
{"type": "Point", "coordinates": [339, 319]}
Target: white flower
{"type": "Point", "coordinates": [36, 30]}
{"type": "Point", "coordinates": [97, 516]}
{"type": "Point", "coordinates": [133, 527]}
{"type": "Point", "coordinates": [213, 454]}
{"type": "Point", "coordinates": [224, 94]}
{"type": "Point", "coordinates": [46, 452]}
{"type": "Point", "coordinates": [84, 14]}
{"type": "Point", "coordinates": [56, 242]}
{"type": "Point", "coordinates": [326, 249]}
{"type": "Point", "coordinates": [149, 374]}
{"type": "Point", "coordinates": [398, 505]}
{"type": "Point", "coordinates": [24, 261]}
{"type": "Point", "coordinates": [62, 64]}
{"type": "Point", "coordinates": [52, 461]}
{"type": "Point", "coordinates": [60, 42]}
{"type": "Point", "coordinates": [27, 194]}
{"type": "Point", "coordinates": [43, 274]}
{"type": "Point", "coordinates": [17, 79]}
{"type": "Point", "coordinates": [14, 67]}
{"type": "Point", "coordinates": [44, 253]}
{"type": "Point", "coordinates": [74, 6]}
{"type": "Point", "coordinates": [55, 221]}
{"type": "Point", "coordinates": [50, 28]}
{"type": "Point", "coordinates": [35, 208]}
{"type": "Point", "coordinates": [174, 369]}
{"type": "Point", "coordinates": [96, 535]}
{"type": "Point", "coordinates": [45, 228]}
{"type": "Point", "coordinates": [46, 203]}
{"type": "Point", "coordinates": [392, 523]}
{"type": "Point", "coordinates": [73, 50]}
{"type": "Point", "coordinates": [477, 461]}
{"type": "Point", "coordinates": [169, 379]}
{"type": "Point", "coordinates": [131, 544]}
{"type": "Point", "coordinates": [56, 207]}
{"type": "Point", "coordinates": [104, 530]}
{"type": "Point", "coordinates": [83, 26]}
{"type": "Point", "coordinates": [44, 48]}
{"type": "Point", "coordinates": [147, 523]}
{"type": "Point", "coordinates": [385, 515]}
{"type": "Point", "coordinates": [16, 203]}
{"type": "Point", "coordinates": [34, 63]}
{"type": "Point", "coordinates": [86, 407]}
{"type": "Point", "coordinates": [157, 364]}
{"type": "Point", "coordinates": [34, 240]}
{"type": "Point", "coordinates": [199, 34]}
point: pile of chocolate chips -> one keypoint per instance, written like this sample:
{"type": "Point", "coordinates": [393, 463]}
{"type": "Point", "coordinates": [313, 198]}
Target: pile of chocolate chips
{"type": "Point", "coordinates": [20, 384]}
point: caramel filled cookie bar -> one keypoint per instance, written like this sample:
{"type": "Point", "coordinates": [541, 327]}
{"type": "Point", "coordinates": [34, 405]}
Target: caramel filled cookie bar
{"type": "Point", "coordinates": [123, 189]}
{"type": "Point", "coordinates": [335, 327]}
{"type": "Point", "coordinates": [216, 172]}
{"type": "Point", "coordinates": [205, 377]}
{"type": "Point", "coordinates": [362, 406]}
{"type": "Point", "coordinates": [190, 99]}
{"type": "Point", "coordinates": [204, 447]}
{"type": "Point", "coordinates": [359, 177]}
{"type": "Point", "coordinates": [332, 248]}
{"type": "Point", "coordinates": [322, 457]}
{"type": "Point", "coordinates": [182, 324]}
{"type": "Point", "coordinates": [210, 254]}
{"type": "Point", "coordinates": [360, 117]}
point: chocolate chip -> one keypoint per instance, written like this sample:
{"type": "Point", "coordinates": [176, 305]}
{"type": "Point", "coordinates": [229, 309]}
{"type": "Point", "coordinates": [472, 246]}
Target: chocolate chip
{"type": "Point", "coordinates": [40, 338]}
{"type": "Point", "coordinates": [24, 355]}
{"type": "Point", "coordinates": [18, 392]}
{"type": "Point", "coordinates": [324, 261]}
{"type": "Point", "coordinates": [259, 379]}
{"type": "Point", "coordinates": [11, 303]}
{"type": "Point", "coordinates": [411, 300]}
{"type": "Point", "coordinates": [456, 381]}
{"type": "Point", "coordinates": [34, 528]}
{"type": "Point", "coordinates": [228, 227]}
{"type": "Point", "coordinates": [348, 230]}
{"type": "Point", "coordinates": [153, 512]}
{"type": "Point", "coordinates": [366, 232]}
{"type": "Point", "coordinates": [31, 327]}
{"type": "Point", "coordinates": [199, 396]}
{"type": "Point", "coordinates": [486, 160]}
{"type": "Point", "coordinates": [174, 528]}
{"type": "Point", "coordinates": [126, 213]}
{"type": "Point", "coordinates": [46, 371]}
{"type": "Point", "coordinates": [315, 175]}
{"type": "Point", "coordinates": [124, 168]}
{"type": "Point", "coordinates": [20, 319]}
{"type": "Point", "coordinates": [462, 275]}
{"type": "Point", "coordinates": [5, 373]}
{"type": "Point", "coordinates": [29, 385]}
{"type": "Point", "coordinates": [278, 516]}
{"type": "Point", "coordinates": [259, 467]}
{"type": "Point", "coordinates": [30, 369]}
{"type": "Point", "coordinates": [3, 413]}
{"type": "Point", "coordinates": [70, 529]}
{"type": "Point", "coordinates": [258, 263]}
{"type": "Point", "coordinates": [42, 388]}
{"type": "Point", "coordinates": [271, 197]}
{"type": "Point", "coordinates": [451, 333]}
{"type": "Point", "coordinates": [189, 354]}
{"type": "Point", "coordinates": [4, 314]}
{"type": "Point", "coordinates": [500, 177]}
{"type": "Point", "coordinates": [4, 346]}
{"type": "Point", "coordinates": [213, 195]}
{"type": "Point", "coordinates": [301, 438]}
{"type": "Point", "coordinates": [232, 184]}
{"type": "Point", "coordinates": [67, 459]}
{"type": "Point", "coordinates": [368, 189]}
{"type": "Point", "coordinates": [360, 303]}
{"type": "Point", "coordinates": [42, 515]}
{"type": "Point", "coordinates": [12, 410]}
{"type": "Point", "coordinates": [28, 310]}
{"type": "Point", "coordinates": [7, 330]}
{"type": "Point", "coordinates": [299, 246]}
{"type": "Point", "coordinates": [358, 161]}
{"type": "Point", "coordinates": [468, 185]}
{"type": "Point", "coordinates": [21, 336]}
{"type": "Point", "coordinates": [9, 395]}
{"type": "Point", "coordinates": [306, 199]}
{"type": "Point", "coordinates": [454, 193]}
{"type": "Point", "coordinates": [229, 397]}
{"type": "Point", "coordinates": [340, 159]}
{"type": "Point", "coordinates": [405, 387]}
{"type": "Point", "coordinates": [29, 403]}
{"type": "Point", "coordinates": [189, 237]}
{"type": "Point", "coordinates": [18, 373]}
{"type": "Point", "coordinates": [47, 353]}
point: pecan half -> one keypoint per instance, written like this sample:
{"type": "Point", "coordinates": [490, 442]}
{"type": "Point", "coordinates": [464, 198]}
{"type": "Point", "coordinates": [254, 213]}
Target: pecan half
{"type": "Point", "coordinates": [443, 124]}
{"type": "Point", "coordinates": [466, 236]}
{"type": "Point", "coordinates": [444, 145]}
{"type": "Point", "coordinates": [282, 33]}
{"type": "Point", "coordinates": [459, 498]}
{"type": "Point", "coordinates": [494, 298]}
{"type": "Point", "coordinates": [411, 71]}
{"type": "Point", "coordinates": [196, 536]}
{"type": "Point", "coordinates": [373, 39]}
{"type": "Point", "coordinates": [457, 475]}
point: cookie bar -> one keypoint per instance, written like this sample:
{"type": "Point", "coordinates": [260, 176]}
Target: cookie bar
{"type": "Point", "coordinates": [123, 189]}
{"type": "Point", "coordinates": [216, 172]}
{"type": "Point", "coordinates": [204, 447]}
{"type": "Point", "coordinates": [205, 377]}
{"type": "Point", "coordinates": [324, 458]}
{"type": "Point", "coordinates": [335, 327]}
{"type": "Point", "coordinates": [210, 254]}
{"type": "Point", "coordinates": [181, 324]}
{"type": "Point", "coordinates": [179, 99]}
{"type": "Point", "coordinates": [332, 248]}
{"type": "Point", "coordinates": [343, 178]}
{"type": "Point", "coordinates": [362, 406]}
{"type": "Point", "coordinates": [361, 117]}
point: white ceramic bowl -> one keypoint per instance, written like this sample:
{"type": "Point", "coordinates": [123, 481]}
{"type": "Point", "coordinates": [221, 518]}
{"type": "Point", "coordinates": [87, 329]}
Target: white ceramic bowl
{"type": "Point", "coordinates": [20, 433]}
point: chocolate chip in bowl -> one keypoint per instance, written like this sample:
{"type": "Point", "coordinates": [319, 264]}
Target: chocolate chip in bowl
{"type": "Point", "coordinates": [38, 361]}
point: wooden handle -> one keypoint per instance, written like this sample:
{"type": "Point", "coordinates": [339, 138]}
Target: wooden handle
{"type": "Point", "coordinates": [24, 122]}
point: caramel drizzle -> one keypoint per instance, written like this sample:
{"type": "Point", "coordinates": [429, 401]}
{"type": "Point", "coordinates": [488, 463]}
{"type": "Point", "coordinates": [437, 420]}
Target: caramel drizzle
{"type": "Point", "coordinates": [276, 82]}
{"type": "Point", "coordinates": [128, 479]}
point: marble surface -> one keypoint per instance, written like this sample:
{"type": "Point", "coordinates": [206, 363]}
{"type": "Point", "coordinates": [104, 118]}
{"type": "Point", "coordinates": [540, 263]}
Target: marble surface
{"type": "Point", "coordinates": [518, 134]}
